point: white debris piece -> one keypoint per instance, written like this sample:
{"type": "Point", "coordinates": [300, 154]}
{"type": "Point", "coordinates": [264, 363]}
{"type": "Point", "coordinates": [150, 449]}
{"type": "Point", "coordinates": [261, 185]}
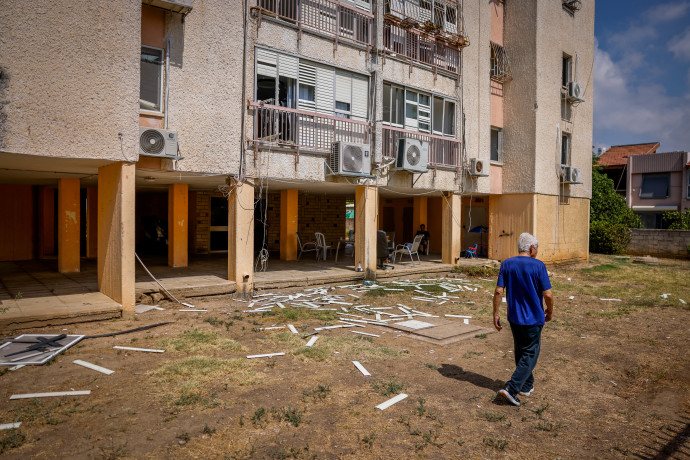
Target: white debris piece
{"type": "Point", "coordinates": [458, 316]}
{"type": "Point", "coordinates": [265, 355]}
{"type": "Point", "coordinates": [187, 304]}
{"type": "Point", "coordinates": [292, 329]}
{"type": "Point", "coordinates": [572, 297]}
{"type": "Point", "coordinates": [612, 300]}
{"type": "Point", "coordinates": [361, 369]}
{"type": "Point", "coordinates": [53, 394]}
{"type": "Point", "coordinates": [148, 350]}
{"type": "Point", "coordinates": [10, 426]}
{"type": "Point", "coordinates": [682, 301]}
{"type": "Point", "coordinates": [271, 327]}
{"type": "Point", "coordinates": [365, 333]}
{"type": "Point", "coordinates": [312, 341]}
{"type": "Point", "coordinates": [193, 310]}
{"type": "Point", "coordinates": [94, 367]}
{"type": "Point", "coordinates": [390, 402]}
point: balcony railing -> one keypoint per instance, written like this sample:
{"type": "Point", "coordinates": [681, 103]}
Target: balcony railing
{"type": "Point", "coordinates": [327, 16]}
{"type": "Point", "coordinates": [420, 47]}
{"type": "Point", "coordinates": [440, 16]}
{"type": "Point", "coordinates": [290, 128]}
{"type": "Point", "coordinates": [443, 151]}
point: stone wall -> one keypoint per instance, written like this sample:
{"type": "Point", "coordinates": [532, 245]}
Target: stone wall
{"type": "Point", "coordinates": [659, 243]}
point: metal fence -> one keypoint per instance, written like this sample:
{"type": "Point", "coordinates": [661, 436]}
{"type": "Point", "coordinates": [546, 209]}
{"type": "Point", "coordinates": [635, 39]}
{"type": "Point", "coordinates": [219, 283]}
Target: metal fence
{"type": "Point", "coordinates": [281, 126]}
{"type": "Point", "coordinates": [327, 16]}
{"type": "Point", "coordinates": [420, 47]}
{"type": "Point", "coordinates": [443, 151]}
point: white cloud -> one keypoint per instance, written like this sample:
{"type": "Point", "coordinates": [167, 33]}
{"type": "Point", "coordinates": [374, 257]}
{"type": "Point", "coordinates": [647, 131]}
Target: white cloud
{"type": "Point", "coordinates": [680, 45]}
{"type": "Point", "coordinates": [627, 112]}
{"type": "Point", "coordinates": [667, 12]}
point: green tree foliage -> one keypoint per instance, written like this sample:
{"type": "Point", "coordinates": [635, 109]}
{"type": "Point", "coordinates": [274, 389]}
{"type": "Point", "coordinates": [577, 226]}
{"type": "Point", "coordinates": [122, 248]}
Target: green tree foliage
{"type": "Point", "coordinates": [674, 220]}
{"type": "Point", "coordinates": [610, 218]}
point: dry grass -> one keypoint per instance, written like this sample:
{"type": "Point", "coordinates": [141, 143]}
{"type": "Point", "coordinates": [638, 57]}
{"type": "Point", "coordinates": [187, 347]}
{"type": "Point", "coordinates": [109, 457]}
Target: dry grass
{"type": "Point", "coordinates": [196, 340]}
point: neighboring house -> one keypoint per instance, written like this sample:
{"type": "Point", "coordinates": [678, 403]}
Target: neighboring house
{"type": "Point", "coordinates": [658, 183]}
{"type": "Point", "coordinates": [181, 127]}
{"type": "Point", "coordinates": [615, 160]}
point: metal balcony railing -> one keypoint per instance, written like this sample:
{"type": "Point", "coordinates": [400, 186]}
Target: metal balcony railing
{"type": "Point", "coordinates": [442, 17]}
{"type": "Point", "coordinates": [327, 16]}
{"type": "Point", "coordinates": [420, 47]}
{"type": "Point", "coordinates": [290, 128]}
{"type": "Point", "coordinates": [443, 151]}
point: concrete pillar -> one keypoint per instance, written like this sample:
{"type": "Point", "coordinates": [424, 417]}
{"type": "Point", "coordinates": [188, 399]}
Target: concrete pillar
{"type": "Point", "coordinates": [178, 225]}
{"type": "Point", "coordinates": [116, 194]}
{"type": "Point", "coordinates": [288, 224]}
{"type": "Point", "coordinates": [365, 229]}
{"type": "Point", "coordinates": [451, 220]}
{"type": "Point", "coordinates": [68, 225]}
{"type": "Point", "coordinates": [92, 222]}
{"type": "Point", "coordinates": [241, 235]}
{"type": "Point", "coordinates": [419, 213]}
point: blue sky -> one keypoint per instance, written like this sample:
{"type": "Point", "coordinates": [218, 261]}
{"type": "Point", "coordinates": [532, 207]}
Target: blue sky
{"type": "Point", "coordinates": [642, 73]}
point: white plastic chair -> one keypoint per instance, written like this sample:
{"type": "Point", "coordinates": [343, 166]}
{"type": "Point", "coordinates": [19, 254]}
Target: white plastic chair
{"type": "Point", "coordinates": [321, 244]}
{"type": "Point", "coordinates": [404, 249]}
{"type": "Point", "coordinates": [306, 247]}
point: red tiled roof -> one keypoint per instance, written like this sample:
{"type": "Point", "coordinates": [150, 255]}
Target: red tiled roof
{"type": "Point", "coordinates": [618, 155]}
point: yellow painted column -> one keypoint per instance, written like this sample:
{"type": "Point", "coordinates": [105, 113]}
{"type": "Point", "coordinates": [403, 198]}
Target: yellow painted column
{"type": "Point", "coordinates": [451, 220]}
{"type": "Point", "coordinates": [178, 225]}
{"type": "Point", "coordinates": [68, 225]}
{"type": "Point", "coordinates": [365, 228]}
{"type": "Point", "coordinates": [419, 212]}
{"type": "Point", "coordinates": [241, 235]}
{"type": "Point", "coordinates": [92, 222]}
{"type": "Point", "coordinates": [288, 224]}
{"type": "Point", "coordinates": [116, 195]}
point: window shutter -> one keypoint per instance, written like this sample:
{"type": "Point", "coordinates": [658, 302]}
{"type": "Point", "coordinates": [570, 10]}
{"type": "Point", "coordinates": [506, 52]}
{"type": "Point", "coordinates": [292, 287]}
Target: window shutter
{"type": "Point", "coordinates": [266, 62]}
{"type": "Point", "coordinates": [363, 4]}
{"type": "Point", "coordinates": [287, 66]}
{"type": "Point", "coordinates": [343, 87]}
{"type": "Point", "coordinates": [360, 96]}
{"type": "Point", "coordinates": [307, 74]}
{"type": "Point", "coordinates": [324, 90]}
{"type": "Point", "coordinates": [499, 147]}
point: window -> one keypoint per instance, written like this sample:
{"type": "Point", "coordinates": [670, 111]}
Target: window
{"type": "Point", "coordinates": [565, 149]}
{"type": "Point", "coordinates": [567, 70]}
{"type": "Point", "coordinates": [496, 144]}
{"type": "Point", "coordinates": [151, 79]}
{"type": "Point", "coordinates": [418, 111]}
{"type": "Point", "coordinates": [443, 116]}
{"type": "Point", "coordinates": [655, 185]}
{"type": "Point", "coordinates": [393, 104]}
{"type": "Point", "coordinates": [499, 66]}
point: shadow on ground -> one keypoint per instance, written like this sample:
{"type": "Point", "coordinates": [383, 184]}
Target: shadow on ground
{"type": "Point", "coordinates": [456, 372]}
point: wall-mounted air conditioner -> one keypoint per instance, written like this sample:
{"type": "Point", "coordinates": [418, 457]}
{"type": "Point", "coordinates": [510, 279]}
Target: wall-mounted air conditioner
{"type": "Point", "coordinates": [413, 155]}
{"type": "Point", "coordinates": [157, 142]}
{"type": "Point", "coordinates": [571, 175]}
{"type": "Point", "coordinates": [575, 92]}
{"type": "Point", "coordinates": [349, 159]}
{"type": "Point", "coordinates": [478, 167]}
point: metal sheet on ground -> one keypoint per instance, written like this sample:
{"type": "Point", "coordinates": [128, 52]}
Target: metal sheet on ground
{"type": "Point", "coordinates": [10, 351]}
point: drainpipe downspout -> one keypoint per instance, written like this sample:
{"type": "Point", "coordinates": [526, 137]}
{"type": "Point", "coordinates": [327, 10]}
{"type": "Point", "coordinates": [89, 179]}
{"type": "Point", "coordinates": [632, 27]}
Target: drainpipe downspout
{"type": "Point", "coordinates": [243, 136]}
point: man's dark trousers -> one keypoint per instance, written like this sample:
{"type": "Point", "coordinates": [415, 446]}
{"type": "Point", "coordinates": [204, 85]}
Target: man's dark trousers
{"type": "Point", "coordinates": [527, 342]}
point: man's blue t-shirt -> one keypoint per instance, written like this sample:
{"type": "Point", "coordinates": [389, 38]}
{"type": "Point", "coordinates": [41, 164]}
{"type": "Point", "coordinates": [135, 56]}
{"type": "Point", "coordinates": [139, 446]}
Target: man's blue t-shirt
{"type": "Point", "coordinates": [525, 279]}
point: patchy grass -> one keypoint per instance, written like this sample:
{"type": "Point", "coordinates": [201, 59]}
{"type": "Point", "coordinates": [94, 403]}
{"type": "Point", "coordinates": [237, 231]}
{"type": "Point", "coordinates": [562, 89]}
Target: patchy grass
{"type": "Point", "coordinates": [493, 416]}
{"type": "Point", "coordinates": [196, 340]}
{"type": "Point", "coordinates": [299, 313]}
{"type": "Point", "coordinates": [321, 392]}
{"type": "Point", "coordinates": [11, 439]}
{"type": "Point", "coordinates": [477, 271]}
{"type": "Point", "coordinates": [348, 347]}
{"type": "Point", "coordinates": [388, 388]}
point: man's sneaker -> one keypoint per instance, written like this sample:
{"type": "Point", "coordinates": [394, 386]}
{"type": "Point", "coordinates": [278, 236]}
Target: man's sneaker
{"type": "Point", "coordinates": [512, 399]}
{"type": "Point", "coordinates": [526, 393]}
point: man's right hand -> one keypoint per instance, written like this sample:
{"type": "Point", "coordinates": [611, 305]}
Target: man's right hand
{"type": "Point", "coordinates": [497, 323]}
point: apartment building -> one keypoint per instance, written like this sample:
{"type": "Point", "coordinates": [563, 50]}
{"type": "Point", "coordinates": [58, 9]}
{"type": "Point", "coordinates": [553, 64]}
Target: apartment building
{"type": "Point", "coordinates": [188, 127]}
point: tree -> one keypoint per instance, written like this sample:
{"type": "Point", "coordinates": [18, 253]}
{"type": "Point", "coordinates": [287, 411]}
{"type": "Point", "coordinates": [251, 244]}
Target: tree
{"type": "Point", "coordinates": [610, 219]}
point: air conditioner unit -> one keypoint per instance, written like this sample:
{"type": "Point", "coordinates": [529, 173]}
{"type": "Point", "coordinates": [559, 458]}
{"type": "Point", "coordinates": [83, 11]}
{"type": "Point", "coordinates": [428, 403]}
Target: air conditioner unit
{"type": "Point", "coordinates": [571, 175]}
{"type": "Point", "coordinates": [575, 92]}
{"type": "Point", "coordinates": [157, 142]}
{"type": "Point", "coordinates": [478, 167]}
{"type": "Point", "coordinates": [349, 159]}
{"type": "Point", "coordinates": [413, 155]}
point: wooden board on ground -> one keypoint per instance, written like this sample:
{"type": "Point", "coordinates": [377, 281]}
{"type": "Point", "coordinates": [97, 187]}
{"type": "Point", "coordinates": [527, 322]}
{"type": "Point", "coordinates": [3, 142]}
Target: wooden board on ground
{"type": "Point", "coordinates": [443, 332]}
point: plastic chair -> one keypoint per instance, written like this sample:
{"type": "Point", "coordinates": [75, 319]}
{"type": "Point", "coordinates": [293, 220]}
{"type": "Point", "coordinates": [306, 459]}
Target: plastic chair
{"type": "Point", "coordinates": [321, 244]}
{"type": "Point", "coordinates": [404, 249]}
{"type": "Point", "coordinates": [306, 247]}
{"type": "Point", "coordinates": [471, 252]}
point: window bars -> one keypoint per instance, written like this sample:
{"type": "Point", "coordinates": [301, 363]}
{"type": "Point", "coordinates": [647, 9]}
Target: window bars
{"type": "Point", "coordinates": [500, 65]}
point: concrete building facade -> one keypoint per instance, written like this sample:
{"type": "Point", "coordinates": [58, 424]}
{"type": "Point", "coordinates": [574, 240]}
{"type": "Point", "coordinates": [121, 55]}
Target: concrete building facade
{"type": "Point", "coordinates": [260, 119]}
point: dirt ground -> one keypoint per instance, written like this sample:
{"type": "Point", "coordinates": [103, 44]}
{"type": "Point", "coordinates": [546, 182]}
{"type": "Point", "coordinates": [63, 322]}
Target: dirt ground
{"type": "Point", "coordinates": [613, 381]}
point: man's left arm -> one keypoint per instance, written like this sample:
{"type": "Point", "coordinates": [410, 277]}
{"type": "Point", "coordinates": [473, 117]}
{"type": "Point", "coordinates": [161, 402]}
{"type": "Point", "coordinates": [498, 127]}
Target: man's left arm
{"type": "Point", "coordinates": [498, 298]}
{"type": "Point", "coordinates": [548, 298]}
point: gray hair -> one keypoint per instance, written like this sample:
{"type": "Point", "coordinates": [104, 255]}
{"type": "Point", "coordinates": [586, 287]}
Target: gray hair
{"type": "Point", "coordinates": [525, 241]}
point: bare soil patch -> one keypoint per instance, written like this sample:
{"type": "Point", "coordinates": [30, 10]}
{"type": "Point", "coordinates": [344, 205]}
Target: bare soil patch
{"type": "Point", "coordinates": [613, 381]}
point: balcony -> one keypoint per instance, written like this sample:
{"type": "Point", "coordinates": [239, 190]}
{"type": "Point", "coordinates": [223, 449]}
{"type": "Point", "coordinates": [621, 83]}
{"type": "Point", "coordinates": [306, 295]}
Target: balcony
{"type": "Point", "coordinates": [443, 151]}
{"type": "Point", "coordinates": [442, 18]}
{"type": "Point", "coordinates": [276, 126]}
{"type": "Point", "coordinates": [421, 47]}
{"type": "Point", "coordinates": [326, 16]}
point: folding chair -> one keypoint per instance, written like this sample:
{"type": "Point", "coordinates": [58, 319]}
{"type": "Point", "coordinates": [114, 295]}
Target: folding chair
{"type": "Point", "coordinates": [404, 249]}
{"type": "Point", "coordinates": [306, 247]}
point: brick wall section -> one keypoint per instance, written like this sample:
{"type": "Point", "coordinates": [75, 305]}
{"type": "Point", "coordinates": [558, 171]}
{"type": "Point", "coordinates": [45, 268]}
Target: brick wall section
{"type": "Point", "coordinates": [659, 243]}
{"type": "Point", "coordinates": [273, 219]}
{"type": "Point", "coordinates": [203, 222]}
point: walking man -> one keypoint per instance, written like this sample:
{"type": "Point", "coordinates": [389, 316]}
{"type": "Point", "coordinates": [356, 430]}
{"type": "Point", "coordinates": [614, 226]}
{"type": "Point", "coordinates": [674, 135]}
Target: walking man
{"type": "Point", "coordinates": [528, 285]}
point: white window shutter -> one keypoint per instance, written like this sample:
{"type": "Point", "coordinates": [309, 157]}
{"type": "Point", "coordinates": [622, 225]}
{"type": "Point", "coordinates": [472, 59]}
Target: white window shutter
{"type": "Point", "coordinates": [287, 66]}
{"type": "Point", "coordinates": [307, 73]}
{"type": "Point", "coordinates": [360, 96]}
{"type": "Point", "coordinates": [363, 4]}
{"type": "Point", "coordinates": [343, 87]}
{"type": "Point", "coordinates": [324, 90]}
{"type": "Point", "coordinates": [266, 62]}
